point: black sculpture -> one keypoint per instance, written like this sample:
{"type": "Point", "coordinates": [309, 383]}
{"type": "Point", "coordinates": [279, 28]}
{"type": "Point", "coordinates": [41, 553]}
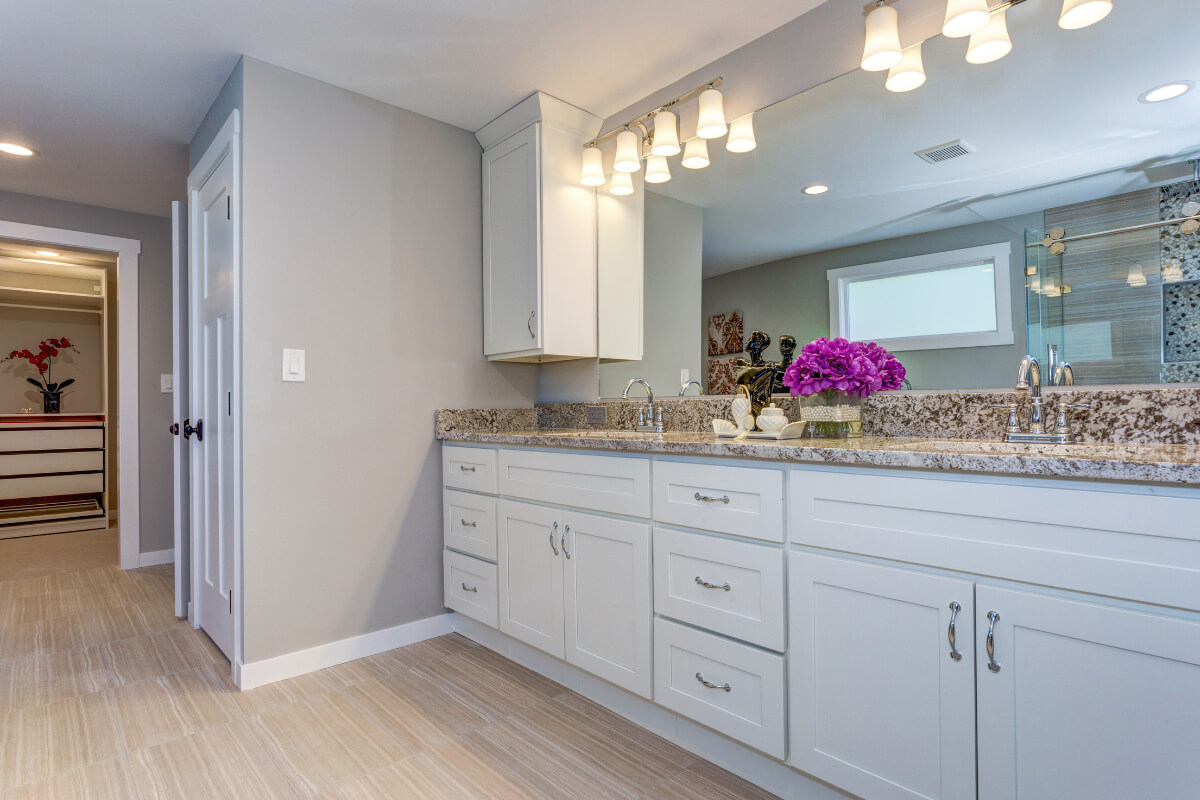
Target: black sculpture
{"type": "Point", "coordinates": [757, 375]}
{"type": "Point", "coordinates": [787, 351]}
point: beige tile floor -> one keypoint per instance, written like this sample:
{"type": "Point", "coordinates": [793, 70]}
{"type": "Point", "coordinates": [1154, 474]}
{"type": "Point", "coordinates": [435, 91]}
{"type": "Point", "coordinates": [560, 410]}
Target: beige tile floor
{"type": "Point", "coordinates": [104, 694]}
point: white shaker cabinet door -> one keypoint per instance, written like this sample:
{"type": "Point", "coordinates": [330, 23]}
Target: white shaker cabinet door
{"type": "Point", "coordinates": [607, 602]}
{"type": "Point", "coordinates": [1080, 701]}
{"type": "Point", "coordinates": [531, 574]}
{"type": "Point", "coordinates": [879, 704]}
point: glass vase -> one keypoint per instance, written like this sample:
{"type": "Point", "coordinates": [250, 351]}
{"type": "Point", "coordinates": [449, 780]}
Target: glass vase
{"type": "Point", "coordinates": [832, 416]}
{"type": "Point", "coordinates": [51, 402]}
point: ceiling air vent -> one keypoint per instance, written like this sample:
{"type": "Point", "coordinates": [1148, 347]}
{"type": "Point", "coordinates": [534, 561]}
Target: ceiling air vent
{"type": "Point", "coordinates": [945, 152]}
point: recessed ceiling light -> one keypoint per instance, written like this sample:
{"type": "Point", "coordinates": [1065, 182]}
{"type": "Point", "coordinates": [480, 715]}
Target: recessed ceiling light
{"type": "Point", "coordinates": [1168, 91]}
{"type": "Point", "coordinates": [16, 149]}
{"type": "Point", "coordinates": [50, 253]}
{"type": "Point", "coordinates": [816, 188]}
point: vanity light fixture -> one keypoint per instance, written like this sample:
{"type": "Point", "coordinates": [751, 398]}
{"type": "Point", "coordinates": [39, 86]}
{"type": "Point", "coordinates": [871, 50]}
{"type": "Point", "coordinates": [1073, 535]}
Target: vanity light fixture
{"type": "Point", "coordinates": [1172, 271]}
{"type": "Point", "coordinates": [711, 122]}
{"type": "Point", "coordinates": [908, 73]}
{"type": "Point", "coordinates": [965, 17]}
{"type": "Point", "coordinates": [629, 158]}
{"type": "Point", "coordinates": [47, 253]}
{"type": "Point", "coordinates": [1078, 14]}
{"type": "Point", "coordinates": [657, 170]}
{"type": "Point", "coordinates": [816, 188]}
{"type": "Point", "coordinates": [1136, 277]}
{"type": "Point", "coordinates": [622, 184]}
{"type": "Point", "coordinates": [1168, 91]}
{"type": "Point", "coordinates": [990, 43]}
{"type": "Point", "coordinates": [741, 135]}
{"type": "Point", "coordinates": [882, 47]}
{"type": "Point", "coordinates": [593, 167]}
{"type": "Point", "coordinates": [695, 154]}
{"type": "Point", "coordinates": [666, 134]}
{"type": "Point", "coordinates": [17, 150]}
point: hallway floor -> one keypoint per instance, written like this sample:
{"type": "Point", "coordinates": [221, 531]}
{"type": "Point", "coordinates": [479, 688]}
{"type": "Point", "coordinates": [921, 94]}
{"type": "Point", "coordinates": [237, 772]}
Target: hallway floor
{"type": "Point", "coordinates": [104, 694]}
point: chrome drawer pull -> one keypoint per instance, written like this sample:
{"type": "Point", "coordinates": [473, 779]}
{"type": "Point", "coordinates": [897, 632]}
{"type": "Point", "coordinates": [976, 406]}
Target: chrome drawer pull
{"type": "Point", "coordinates": [993, 618]}
{"type": "Point", "coordinates": [950, 634]}
{"type": "Point", "coordinates": [708, 585]}
{"type": "Point", "coordinates": [553, 531]}
{"type": "Point", "coordinates": [563, 540]}
{"type": "Point", "coordinates": [725, 687]}
{"type": "Point", "coordinates": [469, 588]}
{"type": "Point", "coordinates": [465, 468]}
{"type": "Point", "coordinates": [466, 524]}
{"type": "Point", "coordinates": [703, 498]}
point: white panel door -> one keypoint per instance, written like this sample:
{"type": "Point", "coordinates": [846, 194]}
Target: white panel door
{"type": "Point", "coordinates": [211, 407]}
{"type": "Point", "coordinates": [511, 255]}
{"type": "Point", "coordinates": [879, 704]}
{"type": "Point", "coordinates": [607, 603]}
{"type": "Point", "coordinates": [1082, 701]}
{"type": "Point", "coordinates": [531, 574]}
{"type": "Point", "coordinates": [179, 407]}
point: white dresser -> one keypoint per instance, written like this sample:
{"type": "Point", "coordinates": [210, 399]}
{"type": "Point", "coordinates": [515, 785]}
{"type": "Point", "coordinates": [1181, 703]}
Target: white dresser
{"type": "Point", "coordinates": [52, 476]}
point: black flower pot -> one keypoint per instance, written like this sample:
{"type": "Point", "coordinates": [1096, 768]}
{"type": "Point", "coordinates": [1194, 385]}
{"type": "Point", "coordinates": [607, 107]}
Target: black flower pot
{"type": "Point", "coordinates": [51, 402]}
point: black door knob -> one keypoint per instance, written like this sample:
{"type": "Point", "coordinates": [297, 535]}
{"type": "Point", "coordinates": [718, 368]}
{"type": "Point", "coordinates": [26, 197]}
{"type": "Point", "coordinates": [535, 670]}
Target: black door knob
{"type": "Point", "coordinates": [174, 429]}
{"type": "Point", "coordinates": [188, 430]}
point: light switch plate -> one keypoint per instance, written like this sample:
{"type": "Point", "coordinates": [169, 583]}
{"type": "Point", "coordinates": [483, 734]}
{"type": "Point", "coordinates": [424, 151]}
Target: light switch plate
{"type": "Point", "coordinates": [293, 365]}
{"type": "Point", "coordinates": [166, 383]}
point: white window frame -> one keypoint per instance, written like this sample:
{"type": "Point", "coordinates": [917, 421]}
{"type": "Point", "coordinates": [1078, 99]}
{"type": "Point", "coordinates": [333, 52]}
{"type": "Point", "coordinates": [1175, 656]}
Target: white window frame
{"type": "Point", "coordinates": [999, 255]}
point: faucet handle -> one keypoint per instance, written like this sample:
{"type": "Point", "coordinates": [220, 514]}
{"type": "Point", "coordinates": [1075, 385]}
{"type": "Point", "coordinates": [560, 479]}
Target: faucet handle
{"type": "Point", "coordinates": [1012, 425]}
{"type": "Point", "coordinates": [1062, 425]}
{"type": "Point", "coordinates": [658, 420]}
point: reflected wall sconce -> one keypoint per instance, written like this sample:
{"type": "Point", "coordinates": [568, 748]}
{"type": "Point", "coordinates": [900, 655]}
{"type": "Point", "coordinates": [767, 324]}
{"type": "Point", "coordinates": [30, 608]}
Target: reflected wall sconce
{"type": "Point", "coordinates": [656, 145]}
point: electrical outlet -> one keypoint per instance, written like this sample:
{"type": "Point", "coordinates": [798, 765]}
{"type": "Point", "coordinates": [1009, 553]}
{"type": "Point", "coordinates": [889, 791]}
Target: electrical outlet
{"type": "Point", "coordinates": [597, 415]}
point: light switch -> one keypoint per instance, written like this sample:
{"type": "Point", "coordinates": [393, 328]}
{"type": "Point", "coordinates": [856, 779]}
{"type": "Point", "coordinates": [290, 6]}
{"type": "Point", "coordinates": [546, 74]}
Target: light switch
{"type": "Point", "coordinates": [293, 365]}
{"type": "Point", "coordinates": [166, 383]}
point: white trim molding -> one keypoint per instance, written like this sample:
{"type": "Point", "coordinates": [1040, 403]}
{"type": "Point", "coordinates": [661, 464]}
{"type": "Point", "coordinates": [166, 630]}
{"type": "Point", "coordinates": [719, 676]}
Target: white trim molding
{"type": "Point", "coordinates": [128, 252]}
{"type": "Point", "coordinates": [302, 662]}
{"type": "Point", "coordinates": [157, 557]}
{"type": "Point", "coordinates": [999, 255]}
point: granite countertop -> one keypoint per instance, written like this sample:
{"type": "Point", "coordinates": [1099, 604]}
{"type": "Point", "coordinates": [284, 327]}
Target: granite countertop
{"type": "Point", "coordinates": [1155, 463]}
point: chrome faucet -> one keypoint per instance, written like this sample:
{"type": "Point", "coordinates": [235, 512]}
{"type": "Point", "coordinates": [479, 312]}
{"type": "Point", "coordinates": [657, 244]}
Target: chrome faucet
{"type": "Point", "coordinates": [683, 389]}
{"type": "Point", "coordinates": [1064, 375]}
{"type": "Point", "coordinates": [1029, 377]}
{"type": "Point", "coordinates": [649, 420]}
{"type": "Point", "coordinates": [1031, 371]}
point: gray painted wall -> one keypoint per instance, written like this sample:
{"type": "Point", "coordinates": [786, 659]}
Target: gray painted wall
{"type": "Point", "coordinates": [361, 245]}
{"type": "Point", "coordinates": [23, 328]}
{"type": "Point", "coordinates": [229, 98]}
{"type": "Point", "coordinates": [154, 338]}
{"type": "Point", "coordinates": [797, 301]}
{"type": "Point", "coordinates": [672, 281]}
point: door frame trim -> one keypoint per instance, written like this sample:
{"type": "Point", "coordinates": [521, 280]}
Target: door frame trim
{"type": "Point", "coordinates": [128, 252]}
{"type": "Point", "coordinates": [227, 141]}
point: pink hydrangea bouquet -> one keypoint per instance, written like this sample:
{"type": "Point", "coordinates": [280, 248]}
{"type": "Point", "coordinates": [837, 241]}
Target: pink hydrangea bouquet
{"type": "Point", "coordinates": [832, 367]}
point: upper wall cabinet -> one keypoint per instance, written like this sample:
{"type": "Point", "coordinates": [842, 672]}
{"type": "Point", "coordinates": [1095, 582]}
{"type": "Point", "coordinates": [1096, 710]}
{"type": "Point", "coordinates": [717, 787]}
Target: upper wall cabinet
{"type": "Point", "coordinates": [539, 234]}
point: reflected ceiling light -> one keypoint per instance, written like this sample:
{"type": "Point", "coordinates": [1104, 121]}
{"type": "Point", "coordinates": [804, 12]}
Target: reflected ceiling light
{"type": "Point", "coordinates": [1081, 13]}
{"type": "Point", "coordinates": [16, 149]}
{"type": "Point", "coordinates": [666, 134]}
{"type": "Point", "coordinates": [622, 184]}
{"type": "Point", "coordinates": [711, 122]}
{"type": "Point", "coordinates": [1054, 290]}
{"type": "Point", "coordinates": [695, 154]}
{"type": "Point", "coordinates": [908, 73]}
{"type": "Point", "coordinates": [1136, 277]}
{"type": "Point", "coordinates": [741, 135]}
{"type": "Point", "coordinates": [1035, 284]}
{"type": "Point", "coordinates": [629, 157]}
{"type": "Point", "coordinates": [965, 17]}
{"type": "Point", "coordinates": [49, 253]}
{"type": "Point", "coordinates": [991, 43]}
{"type": "Point", "coordinates": [1168, 91]}
{"type": "Point", "coordinates": [593, 167]}
{"type": "Point", "coordinates": [816, 188]}
{"type": "Point", "coordinates": [1172, 271]}
{"type": "Point", "coordinates": [882, 47]}
{"type": "Point", "coordinates": [657, 170]}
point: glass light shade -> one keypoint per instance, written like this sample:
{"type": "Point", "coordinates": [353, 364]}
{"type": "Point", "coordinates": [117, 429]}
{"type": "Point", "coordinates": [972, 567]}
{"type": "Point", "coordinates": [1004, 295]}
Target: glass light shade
{"type": "Point", "coordinates": [695, 155]}
{"type": "Point", "coordinates": [741, 135]}
{"type": "Point", "coordinates": [629, 158]}
{"type": "Point", "coordinates": [991, 43]}
{"type": "Point", "coordinates": [1136, 276]}
{"type": "Point", "coordinates": [1081, 13]}
{"type": "Point", "coordinates": [622, 184]}
{"type": "Point", "coordinates": [593, 167]}
{"type": "Point", "coordinates": [657, 170]}
{"type": "Point", "coordinates": [882, 48]}
{"type": "Point", "coordinates": [711, 122]}
{"type": "Point", "coordinates": [666, 134]}
{"type": "Point", "coordinates": [1035, 284]}
{"type": "Point", "coordinates": [965, 17]}
{"type": "Point", "coordinates": [909, 73]}
{"type": "Point", "coordinates": [1172, 271]}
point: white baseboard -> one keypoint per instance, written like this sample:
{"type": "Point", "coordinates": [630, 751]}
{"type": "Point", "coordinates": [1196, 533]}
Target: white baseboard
{"type": "Point", "coordinates": [157, 557]}
{"type": "Point", "coordinates": [289, 665]}
{"type": "Point", "coordinates": [759, 769]}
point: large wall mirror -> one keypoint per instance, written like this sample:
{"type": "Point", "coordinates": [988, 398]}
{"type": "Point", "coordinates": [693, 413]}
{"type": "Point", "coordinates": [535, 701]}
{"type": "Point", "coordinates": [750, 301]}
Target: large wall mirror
{"type": "Point", "coordinates": [998, 209]}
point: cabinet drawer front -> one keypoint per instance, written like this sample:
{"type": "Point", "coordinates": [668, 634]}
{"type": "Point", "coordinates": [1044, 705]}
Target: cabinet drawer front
{"type": "Point", "coordinates": [43, 463]}
{"type": "Point", "coordinates": [1141, 547]}
{"type": "Point", "coordinates": [743, 501]}
{"type": "Point", "coordinates": [691, 572]}
{"type": "Point", "coordinates": [470, 587]}
{"type": "Point", "coordinates": [51, 486]}
{"type": "Point", "coordinates": [12, 441]}
{"type": "Point", "coordinates": [751, 711]}
{"type": "Point", "coordinates": [469, 522]}
{"type": "Point", "coordinates": [602, 483]}
{"type": "Point", "coordinates": [469, 468]}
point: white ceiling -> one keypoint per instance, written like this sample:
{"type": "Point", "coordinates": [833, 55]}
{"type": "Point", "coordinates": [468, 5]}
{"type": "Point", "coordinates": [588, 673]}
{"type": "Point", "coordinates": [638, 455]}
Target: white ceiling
{"type": "Point", "coordinates": [1055, 122]}
{"type": "Point", "coordinates": [110, 93]}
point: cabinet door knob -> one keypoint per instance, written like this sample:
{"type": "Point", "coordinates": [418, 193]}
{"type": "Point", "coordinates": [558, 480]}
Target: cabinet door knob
{"type": "Point", "coordinates": [467, 588]}
{"type": "Point", "coordinates": [708, 585]}
{"type": "Point", "coordinates": [466, 524]}
{"type": "Point", "coordinates": [951, 635]}
{"type": "Point", "coordinates": [553, 531]}
{"type": "Point", "coordinates": [703, 498]}
{"type": "Point", "coordinates": [724, 687]}
{"type": "Point", "coordinates": [529, 325]}
{"type": "Point", "coordinates": [563, 540]}
{"type": "Point", "coordinates": [993, 618]}
{"type": "Point", "coordinates": [464, 468]}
